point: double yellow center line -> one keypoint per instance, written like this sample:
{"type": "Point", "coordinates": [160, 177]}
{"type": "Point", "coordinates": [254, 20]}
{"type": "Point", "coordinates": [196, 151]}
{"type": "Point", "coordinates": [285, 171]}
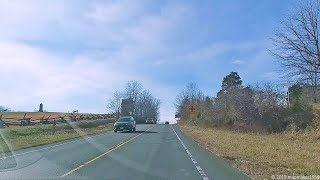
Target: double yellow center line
{"type": "Point", "coordinates": [117, 146]}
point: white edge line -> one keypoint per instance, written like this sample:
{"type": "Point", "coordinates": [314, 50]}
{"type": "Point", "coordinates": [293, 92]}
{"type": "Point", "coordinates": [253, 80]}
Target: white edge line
{"type": "Point", "coordinates": [199, 169]}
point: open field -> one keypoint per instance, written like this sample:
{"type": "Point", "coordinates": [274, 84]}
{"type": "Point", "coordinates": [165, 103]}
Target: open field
{"type": "Point", "coordinates": [262, 155]}
{"type": "Point", "coordinates": [32, 118]}
{"type": "Point", "coordinates": [35, 115]}
{"type": "Point", "coordinates": [21, 137]}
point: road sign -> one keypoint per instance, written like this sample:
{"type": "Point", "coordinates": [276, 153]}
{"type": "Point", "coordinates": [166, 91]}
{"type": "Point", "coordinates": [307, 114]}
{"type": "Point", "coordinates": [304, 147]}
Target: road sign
{"type": "Point", "coordinates": [192, 109]}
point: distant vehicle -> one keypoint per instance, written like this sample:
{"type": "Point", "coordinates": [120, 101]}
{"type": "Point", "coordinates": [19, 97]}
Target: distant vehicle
{"type": "Point", "coordinates": [167, 122]}
{"type": "Point", "coordinates": [150, 121]}
{"type": "Point", "coordinates": [125, 123]}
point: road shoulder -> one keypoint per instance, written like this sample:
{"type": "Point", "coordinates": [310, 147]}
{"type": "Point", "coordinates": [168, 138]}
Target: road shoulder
{"type": "Point", "coordinates": [214, 166]}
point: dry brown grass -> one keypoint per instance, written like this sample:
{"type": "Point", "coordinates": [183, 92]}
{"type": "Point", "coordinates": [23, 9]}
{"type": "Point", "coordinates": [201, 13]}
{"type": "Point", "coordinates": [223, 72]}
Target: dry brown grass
{"type": "Point", "coordinates": [34, 115]}
{"type": "Point", "coordinates": [262, 155]}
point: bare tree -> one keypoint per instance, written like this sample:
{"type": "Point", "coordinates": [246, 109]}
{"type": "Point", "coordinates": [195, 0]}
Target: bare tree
{"type": "Point", "coordinates": [147, 106]}
{"type": "Point", "coordinates": [136, 102]}
{"type": "Point", "coordinates": [144, 104]}
{"type": "Point", "coordinates": [191, 92]}
{"type": "Point", "coordinates": [132, 91]}
{"type": "Point", "coordinates": [297, 45]}
{"type": "Point", "coordinates": [115, 102]}
{"type": "Point", "coordinates": [190, 95]}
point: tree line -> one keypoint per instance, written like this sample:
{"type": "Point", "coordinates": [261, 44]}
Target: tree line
{"type": "Point", "coordinates": [261, 107]}
{"type": "Point", "coordinates": [134, 101]}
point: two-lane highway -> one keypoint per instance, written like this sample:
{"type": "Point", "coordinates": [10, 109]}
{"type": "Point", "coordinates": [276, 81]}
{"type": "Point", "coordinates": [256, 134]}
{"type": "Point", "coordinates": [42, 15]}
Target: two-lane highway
{"type": "Point", "coordinates": [153, 152]}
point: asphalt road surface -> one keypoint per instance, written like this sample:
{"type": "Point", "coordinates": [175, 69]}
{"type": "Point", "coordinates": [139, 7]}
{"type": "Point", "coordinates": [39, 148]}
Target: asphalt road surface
{"type": "Point", "coordinates": [152, 152]}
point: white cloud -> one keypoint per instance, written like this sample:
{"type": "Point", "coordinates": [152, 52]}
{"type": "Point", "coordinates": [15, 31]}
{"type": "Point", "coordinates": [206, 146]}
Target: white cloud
{"type": "Point", "coordinates": [115, 12]}
{"type": "Point", "coordinates": [217, 49]}
{"type": "Point", "coordinates": [238, 62]}
{"type": "Point", "coordinates": [208, 52]}
{"type": "Point", "coordinates": [33, 76]}
{"type": "Point", "coordinates": [33, 73]}
{"type": "Point", "coordinates": [112, 40]}
{"type": "Point", "coordinates": [158, 62]}
{"type": "Point", "coordinates": [29, 19]}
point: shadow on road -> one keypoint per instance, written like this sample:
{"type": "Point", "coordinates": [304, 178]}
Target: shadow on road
{"type": "Point", "coordinates": [138, 132]}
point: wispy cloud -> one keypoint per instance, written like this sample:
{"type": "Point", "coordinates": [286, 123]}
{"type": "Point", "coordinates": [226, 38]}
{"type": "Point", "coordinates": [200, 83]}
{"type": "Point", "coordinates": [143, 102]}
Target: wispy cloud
{"type": "Point", "coordinates": [34, 73]}
{"type": "Point", "coordinates": [74, 54]}
{"type": "Point", "coordinates": [238, 62]}
{"type": "Point", "coordinates": [34, 76]}
{"type": "Point", "coordinates": [115, 12]}
{"type": "Point", "coordinates": [215, 50]}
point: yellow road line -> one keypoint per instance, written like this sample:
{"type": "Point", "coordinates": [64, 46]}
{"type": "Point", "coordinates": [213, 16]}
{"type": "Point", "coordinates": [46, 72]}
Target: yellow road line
{"type": "Point", "coordinates": [105, 153]}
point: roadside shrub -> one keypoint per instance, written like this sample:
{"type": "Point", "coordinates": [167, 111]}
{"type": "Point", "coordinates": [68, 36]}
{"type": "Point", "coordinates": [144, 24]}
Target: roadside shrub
{"type": "Point", "coordinates": [262, 108]}
{"type": "Point", "coordinates": [303, 119]}
{"type": "Point", "coordinates": [92, 124]}
{"type": "Point", "coordinates": [301, 111]}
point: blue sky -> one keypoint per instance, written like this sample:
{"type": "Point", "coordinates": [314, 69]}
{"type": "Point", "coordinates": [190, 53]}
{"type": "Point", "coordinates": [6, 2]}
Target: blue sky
{"type": "Point", "coordinates": [75, 54]}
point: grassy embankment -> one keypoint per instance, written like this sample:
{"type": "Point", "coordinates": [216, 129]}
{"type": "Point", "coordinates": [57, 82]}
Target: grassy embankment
{"type": "Point", "coordinates": [16, 137]}
{"type": "Point", "coordinates": [262, 155]}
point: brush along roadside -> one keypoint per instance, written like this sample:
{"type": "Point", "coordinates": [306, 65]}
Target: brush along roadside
{"type": "Point", "coordinates": [261, 155]}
